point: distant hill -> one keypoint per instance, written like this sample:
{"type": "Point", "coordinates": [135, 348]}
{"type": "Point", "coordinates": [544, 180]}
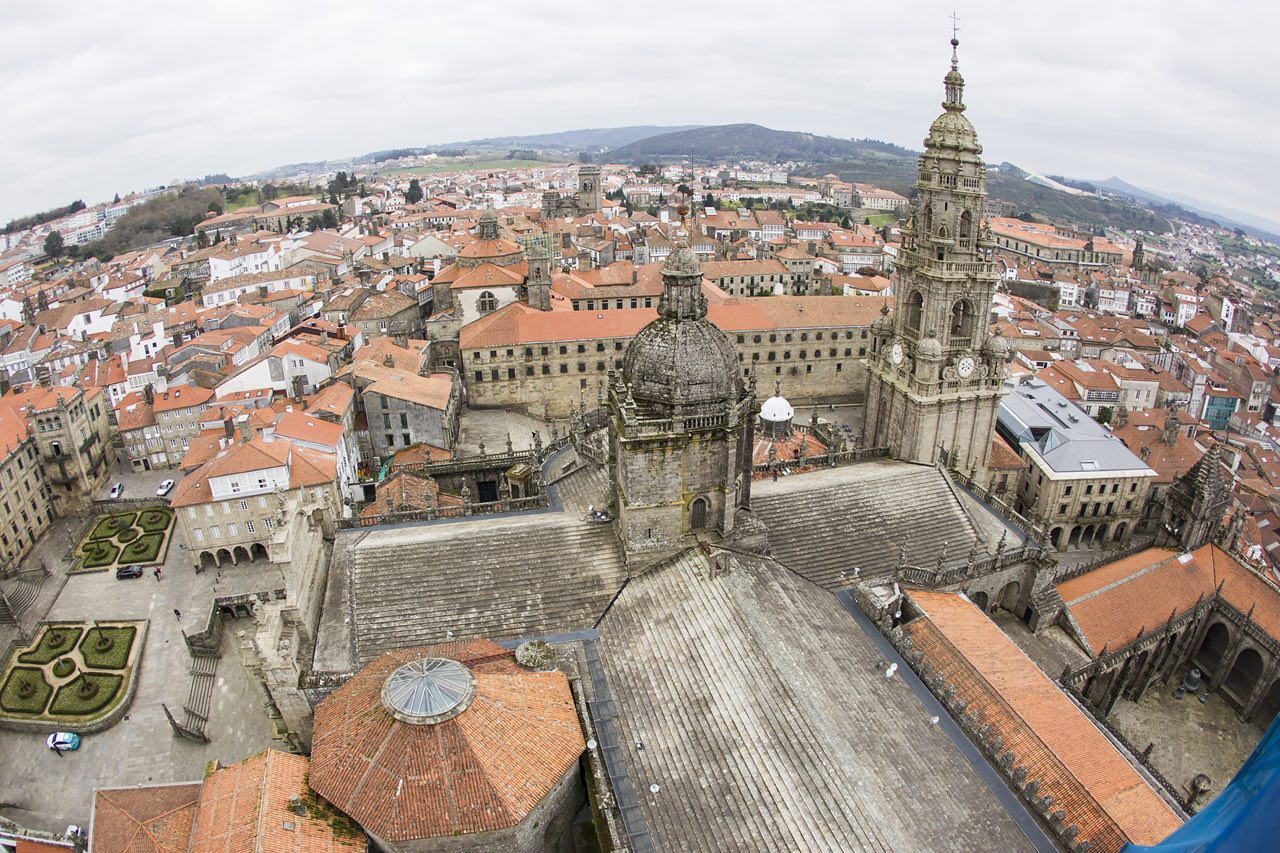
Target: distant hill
{"type": "Point", "coordinates": [1259, 226]}
{"type": "Point", "coordinates": [750, 141]}
{"type": "Point", "coordinates": [588, 139]}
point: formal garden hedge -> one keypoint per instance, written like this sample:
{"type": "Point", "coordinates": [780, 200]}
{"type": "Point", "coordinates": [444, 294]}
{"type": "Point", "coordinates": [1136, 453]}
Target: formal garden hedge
{"type": "Point", "coordinates": [25, 691]}
{"type": "Point", "coordinates": [145, 549]}
{"type": "Point", "coordinates": [73, 674]}
{"type": "Point", "coordinates": [87, 693]}
{"type": "Point", "coordinates": [98, 553]}
{"type": "Point", "coordinates": [107, 648]}
{"type": "Point", "coordinates": [122, 538]}
{"type": "Point", "coordinates": [55, 641]}
{"type": "Point", "coordinates": [108, 526]}
{"type": "Point", "coordinates": [155, 520]}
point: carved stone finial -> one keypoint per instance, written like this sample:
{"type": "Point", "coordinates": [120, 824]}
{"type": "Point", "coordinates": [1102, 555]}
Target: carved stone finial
{"type": "Point", "coordinates": [510, 445]}
{"type": "Point", "coordinates": [482, 447]}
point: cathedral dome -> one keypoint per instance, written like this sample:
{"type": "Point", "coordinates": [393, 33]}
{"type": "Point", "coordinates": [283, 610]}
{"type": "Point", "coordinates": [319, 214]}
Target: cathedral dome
{"type": "Point", "coordinates": [953, 130]}
{"type": "Point", "coordinates": [688, 363]}
{"type": "Point", "coordinates": [681, 358]}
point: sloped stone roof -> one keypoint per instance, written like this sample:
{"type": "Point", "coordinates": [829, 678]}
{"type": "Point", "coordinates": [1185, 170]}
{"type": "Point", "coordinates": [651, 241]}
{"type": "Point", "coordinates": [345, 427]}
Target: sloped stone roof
{"type": "Point", "coordinates": [760, 709]}
{"type": "Point", "coordinates": [826, 522]}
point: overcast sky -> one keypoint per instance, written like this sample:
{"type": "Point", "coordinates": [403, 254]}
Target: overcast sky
{"type": "Point", "coordinates": [99, 98]}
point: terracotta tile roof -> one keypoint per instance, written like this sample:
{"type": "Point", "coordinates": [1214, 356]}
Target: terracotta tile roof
{"type": "Point", "coordinates": [1060, 747]}
{"type": "Point", "coordinates": [181, 397]}
{"type": "Point", "coordinates": [304, 427]}
{"type": "Point", "coordinates": [434, 390]}
{"type": "Point", "coordinates": [1111, 603]}
{"type": "Point", "coordinates": [306, 467]}
{"type": "Point", "coordinates": [481, 770]}
{"type": "Point", "coordinates": [13, 430]}
{"type": "Point", "coordinates": [331, 400]}
{"type": "Point", "coordinates": [1002, 456]}
{"type": "Point", "coordinates": [244, 808]}
{"type": "Point", "coordinates": [151, 819]}
{"type": "Point", "coordinates": [406, 490]}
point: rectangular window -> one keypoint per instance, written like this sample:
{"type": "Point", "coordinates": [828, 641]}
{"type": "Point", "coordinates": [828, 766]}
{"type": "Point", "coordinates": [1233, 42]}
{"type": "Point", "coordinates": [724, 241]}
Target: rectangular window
{"type": "Point", "coordinates": [208, 509]}
{"type": "Point", "coordinates": [191, 512]}
{"type": "Point", "coordinates": [248, 527]}
{"type": "Point", "coordinates": [215, 532]}
{"type": "Point", "coordinates": [270, 524]}
{"type": "Point", "coordinates": [262, 502]}
{"type": "Point", "coordinates": [404, 420]}
{"type": "Point", "coordinates": [244, 505]}
{"type": "Point", "coordinates": [199, 534]}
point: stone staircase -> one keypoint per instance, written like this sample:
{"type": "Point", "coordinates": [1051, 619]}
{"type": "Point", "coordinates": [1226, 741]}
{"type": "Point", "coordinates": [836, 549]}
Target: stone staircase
{"type": "Point", "coordinates": [19, 594]}
{"type": "Point", "coordinates": [493, 578]}
{"type": "Point", "coordinates": [204, 670]}
{"type": "Point", "coordinates": [827, 522]}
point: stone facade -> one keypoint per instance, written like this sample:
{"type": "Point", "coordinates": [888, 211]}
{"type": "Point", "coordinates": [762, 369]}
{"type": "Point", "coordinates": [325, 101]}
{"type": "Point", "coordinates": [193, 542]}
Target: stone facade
{"type": "Point", "coordinates": [585, 201]}
{"type": "Point", "coordinates": [936, 376]}
{"type": "Point", "coordinates": [25, 508]}
{"type": "Point", "coordinates": [73, 432]}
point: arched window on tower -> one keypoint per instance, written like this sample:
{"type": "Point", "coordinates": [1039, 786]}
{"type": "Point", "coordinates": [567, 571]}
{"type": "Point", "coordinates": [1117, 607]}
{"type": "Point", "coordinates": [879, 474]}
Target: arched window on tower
{"type": "Point", "coordinates": [698, 514]}
{"type": "Point", "coordinates": [487, 302]}
{"type": "Point", "coordinates": [966, 230]}
{"type": "Point", "coordinates": [962, 321]}
{"type": "Point", "coordinates": [928, 219]}
{"type": "Point", "coordinates": [915, 308]}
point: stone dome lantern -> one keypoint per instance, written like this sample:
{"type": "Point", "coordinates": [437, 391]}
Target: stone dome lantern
{"type": "Point", "coordinates": [997, 346]}
{"type": "Point", "coordinates": [882, 326]}
{"type": "Point", "coordinates": [776, 415]}
{"type": "Point", "coordinates": [930, 348]}
{"type": "Point", "coordinates": [682, 362]}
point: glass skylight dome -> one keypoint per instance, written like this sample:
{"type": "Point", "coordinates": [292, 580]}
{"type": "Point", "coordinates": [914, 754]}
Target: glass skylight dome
{"type": "Point", "coordinates": [428, 691]}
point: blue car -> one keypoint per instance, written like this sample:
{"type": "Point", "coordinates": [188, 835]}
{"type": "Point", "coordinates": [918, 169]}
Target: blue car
{"type": "Point", "coordinates": [63, 741]}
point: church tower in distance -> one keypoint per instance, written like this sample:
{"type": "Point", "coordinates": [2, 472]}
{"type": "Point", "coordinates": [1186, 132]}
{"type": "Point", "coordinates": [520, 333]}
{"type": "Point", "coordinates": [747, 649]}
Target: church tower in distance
{"type": "Point", "coordinates": [935, 375]}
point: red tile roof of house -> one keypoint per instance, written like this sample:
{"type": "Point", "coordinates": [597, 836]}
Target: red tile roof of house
{"type": "Point", "coordinates": [1057, 744]}
{"type": "Point", "coordinates": [151, 819]}
{"type": "Point", "coordinates": [245, 808]}
{"type": "Point", "coordinates": [1112, 603]}
{"type": "Point", "coordinates": [482, 770]}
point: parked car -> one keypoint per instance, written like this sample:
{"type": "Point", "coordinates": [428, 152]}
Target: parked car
{"type": "Point", "coordinates": [164, 488]}
{"type": "Point", "coordinates": [128, 572]}
{"type": "Point", "coordinates": [65, 741]}
{"type": "Point", "coordinates": [117, 490]}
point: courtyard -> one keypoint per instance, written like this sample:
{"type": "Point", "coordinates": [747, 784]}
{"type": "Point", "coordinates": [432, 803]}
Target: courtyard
{"type": "Point", "coordinates": [126, 537]}
{"type": "Point", "coordinates": [41, 790]}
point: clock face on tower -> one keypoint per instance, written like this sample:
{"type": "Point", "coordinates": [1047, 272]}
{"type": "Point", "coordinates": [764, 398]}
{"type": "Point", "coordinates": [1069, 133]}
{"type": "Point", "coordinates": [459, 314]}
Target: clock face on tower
{"type": "Point", "coordinates": [896, 353]}
{"type": "Point", "coordinates": [965, 366]}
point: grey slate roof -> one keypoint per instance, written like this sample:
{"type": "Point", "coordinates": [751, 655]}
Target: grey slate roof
{"type": "Point", "coordinates": [767, 722]}
{"type": "Point", "coordinates": [827, 521]}
{"type": "Point", "coordinates": [1035, 415]}
{"type": "Point", "coordinates": [498, 578]}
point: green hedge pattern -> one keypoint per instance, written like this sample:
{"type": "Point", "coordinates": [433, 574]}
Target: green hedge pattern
{"type": "Point", "coordinates": [143, 549]}
{"type": "Point", "coordinates": [113, 658]}
{"type": "Point", "coordinates": [155, 520]}
{"type": "Point", "coordinates": [110, 525]}
{"type": "Point", "coordinates": [14, 703]}
{"type": "Point", "coordinates": [70, 703]}
{"type": "Point", "coordinates": [64, 667]}
{"type": "Point", "coordinates": [99, 552]}
{"type": "Point", "coordinates": [46, 651]}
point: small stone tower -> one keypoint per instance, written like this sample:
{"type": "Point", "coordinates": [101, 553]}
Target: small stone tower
{"type": "Point", "coordinates": [683, 425]}
{"type": "Point", "coordinates": [1197, 501]}
{"type": "Point", "coordinates": [588, 189]}
{"type": "Point", "coordinates": [538, 282]}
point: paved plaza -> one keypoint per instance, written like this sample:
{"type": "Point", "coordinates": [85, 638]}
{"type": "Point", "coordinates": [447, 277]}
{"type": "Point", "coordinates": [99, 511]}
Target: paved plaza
{"type": "Point", "coordinates": [42, 791]}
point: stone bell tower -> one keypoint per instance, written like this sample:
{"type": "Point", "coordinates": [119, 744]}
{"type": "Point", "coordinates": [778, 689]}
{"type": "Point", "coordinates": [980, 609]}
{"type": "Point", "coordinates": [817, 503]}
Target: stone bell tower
{"type": "Point", "coordinates": [538, 281]}
{"type": "Point", "coordinates": [588, 189]}
{"type": "Point", "coordinates": [935, 375]}
{"type": "Point", "coordinates": [682, 425]}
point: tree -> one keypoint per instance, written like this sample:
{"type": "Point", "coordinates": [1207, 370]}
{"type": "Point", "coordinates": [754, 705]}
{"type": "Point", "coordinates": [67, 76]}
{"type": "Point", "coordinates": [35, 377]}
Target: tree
{"type": "Point", "coordinates": [329, 219]}
{"type": "Point", "coordinates": [584, 156]}
{"type": "Point", "coordinates": [116, 200]}
{"type": "Point", "coordinates": [1104, 415]}
{"type": "Point", "coordinates": [414, 193]}
{"type": "Point", "coordinates": [202, 239]}
{"type": "Point", "coordinates": [53, 245]}
{"type": "Point", "coordinates": [708, 200]}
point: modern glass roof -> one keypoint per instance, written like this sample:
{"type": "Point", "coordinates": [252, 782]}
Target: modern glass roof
{"type": "Point", "coordinates": [427, 691]}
